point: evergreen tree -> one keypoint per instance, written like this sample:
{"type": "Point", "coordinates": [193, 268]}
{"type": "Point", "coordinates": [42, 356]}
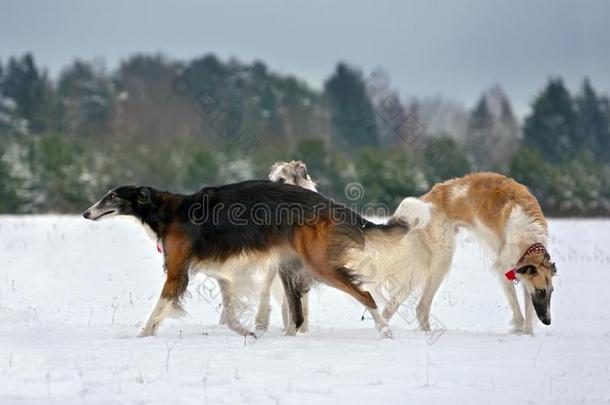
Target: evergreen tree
{"type": "Point", "coordinates": [148, 105]}
{"type": "Point", "coordinates": [352, 114]}
{"type": "Point", "coordinates": [85, 99]}
{"type": "Point", "coordinates": [551, 127]}
{"type": "Point", "coordinates": [30, 90]}
{"type": "Point", "coordinates": [388, 176]}
{"type": "Point", "coordinates": [529, 168]}
{"type": "Point", "coordinates": [593, 125]}
{"type": "Point", "coordinates": [443, 159]}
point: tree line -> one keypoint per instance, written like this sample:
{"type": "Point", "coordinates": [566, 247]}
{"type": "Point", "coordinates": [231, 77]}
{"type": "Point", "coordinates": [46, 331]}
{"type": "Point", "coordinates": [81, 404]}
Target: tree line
{"type": "Point", "coordinates": [183, 125]}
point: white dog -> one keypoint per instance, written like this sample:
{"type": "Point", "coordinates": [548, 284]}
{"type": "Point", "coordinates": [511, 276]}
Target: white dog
{"type": "Point", "coordinates": [502, 213]}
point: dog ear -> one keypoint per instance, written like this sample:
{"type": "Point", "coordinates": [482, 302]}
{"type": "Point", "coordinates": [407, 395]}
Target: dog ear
{"type": "Point", "coordinates": [301, 168]}
{"type": "Point", "coordinates": [276, 165]}
{"type": "Point", "coordinates": [143, 197]}
{"type": "Point", "coordinates": [527, 269]}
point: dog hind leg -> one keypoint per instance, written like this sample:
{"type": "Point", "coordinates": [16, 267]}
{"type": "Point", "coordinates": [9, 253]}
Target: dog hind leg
{"type": "Point", "coordinates": [312, 246]}
{"type": "Point", "coordinates": [342, 279]}
{"type": "Point", "coordinates": [439, 267]}
{"type": "Point", "coordinates": [264, 309]}
{"type": "Point", "coordinates": [231, 311]}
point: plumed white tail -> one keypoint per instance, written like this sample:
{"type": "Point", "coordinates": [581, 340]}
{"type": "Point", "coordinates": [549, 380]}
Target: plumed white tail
{"type": "Point", "coordinates": [414, 211]}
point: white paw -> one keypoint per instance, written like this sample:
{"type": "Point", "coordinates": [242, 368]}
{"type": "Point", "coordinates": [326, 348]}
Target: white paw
{"type": "Point", "coordinates": [146, 332]}
{"type": "Point", "coordinates": [386, 332]}
{"type": "Point", "coordinates": [528, 331]}
{"type": "Point", "coordinates": [426, 327]}
{"type": "Point", "coordinates": [516, 330]}
{"type": "Point", "coordinates": [262, 328]}
{"type": "Point", "coordinates": [517, 326]}
{"type": "Point", "coordinates": [291, 330]}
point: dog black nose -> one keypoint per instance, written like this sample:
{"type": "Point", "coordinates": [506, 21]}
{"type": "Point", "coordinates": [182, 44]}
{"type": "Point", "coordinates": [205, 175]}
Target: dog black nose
{"type": "Point", "coordinates": [86, 214]}
{"type": "Point", "coordinates": [546, 321]}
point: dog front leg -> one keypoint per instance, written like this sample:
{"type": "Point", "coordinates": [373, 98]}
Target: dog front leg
{"type": "Point", "coordinates": [167, 305]}
{"type": "Point", "coordinates": [287, 319]}
{"type": "Point", "coordinates": [292, 300]}
{"type": "Point", "coordinates": [176, 249]}
{"type": "Point", "coordinates": [528, 325]}
{"type": "Point", "coordinates": [305, 304]}
{"type": "Point", "coordinates": [224, 292]}
{"type": "Point", "coordinates": [511, 297]}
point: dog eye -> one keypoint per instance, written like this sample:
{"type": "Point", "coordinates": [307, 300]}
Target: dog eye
{"type": "Point", "coordinates": [281, 180]}
{"type": "Point", "coordinates": [541, 293]}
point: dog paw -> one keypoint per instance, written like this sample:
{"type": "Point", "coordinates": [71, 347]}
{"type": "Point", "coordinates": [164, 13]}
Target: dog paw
{"type": "Point", "coordinates": [250, 338]}
{"type": "Point", "coordinates": [528, 332]}
{"type": "Point", "coordinates": [426, 327]}
{"type": "Point", "coordinates": [386, 332]}
{"type": "Point", "coordinates": [145, 333]}
{"type": "Point", "coordinates": [262, 328]}
{"type": "Point", "coordinates": [517, 330]}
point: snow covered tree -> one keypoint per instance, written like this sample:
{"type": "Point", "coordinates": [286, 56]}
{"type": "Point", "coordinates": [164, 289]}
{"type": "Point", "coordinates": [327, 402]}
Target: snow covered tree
{"type": "Point", "coordinates": [31, 92]}
{"type": "Point", "coordinates": [493, 132]}
{"type": "Point", "coordinates": [10, 185]}
{"type": "Point", "coordinates": [85, 99]}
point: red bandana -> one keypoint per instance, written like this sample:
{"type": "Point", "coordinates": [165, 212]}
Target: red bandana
{"type": "Point", "coordinates": [535, 248]}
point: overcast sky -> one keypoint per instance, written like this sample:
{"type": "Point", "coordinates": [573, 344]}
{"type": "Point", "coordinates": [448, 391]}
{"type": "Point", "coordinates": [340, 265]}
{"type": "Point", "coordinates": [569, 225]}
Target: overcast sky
{"type": "Point", "coordinates": [453, 48]}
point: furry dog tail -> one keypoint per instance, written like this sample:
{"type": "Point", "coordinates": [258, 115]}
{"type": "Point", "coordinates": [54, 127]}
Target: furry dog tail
{"type": "Point", "coordinates": [413, 211]}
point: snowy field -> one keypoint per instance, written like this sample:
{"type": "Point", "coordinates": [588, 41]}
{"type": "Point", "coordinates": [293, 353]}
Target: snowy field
{"type": "Point", "coordinates": [74, 294]}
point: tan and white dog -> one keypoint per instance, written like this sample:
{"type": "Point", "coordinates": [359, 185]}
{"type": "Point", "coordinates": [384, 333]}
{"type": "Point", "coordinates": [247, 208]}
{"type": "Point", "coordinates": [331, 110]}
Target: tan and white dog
{"type": "Point", "coordinates": [295, 173]}
{"type": "Point", "coordinates": [506, 217]}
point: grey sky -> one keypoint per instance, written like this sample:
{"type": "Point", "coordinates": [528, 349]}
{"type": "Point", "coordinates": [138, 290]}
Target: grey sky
{"type": "Point", "coordinates": [453, 48]}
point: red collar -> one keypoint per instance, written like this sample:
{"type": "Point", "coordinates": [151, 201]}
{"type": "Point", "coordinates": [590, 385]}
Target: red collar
{"type": "Point", "coordinates": [535, 248]}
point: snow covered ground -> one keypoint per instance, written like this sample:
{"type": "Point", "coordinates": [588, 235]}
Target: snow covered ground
{"type": "Point", "coordinates": [74, 294]}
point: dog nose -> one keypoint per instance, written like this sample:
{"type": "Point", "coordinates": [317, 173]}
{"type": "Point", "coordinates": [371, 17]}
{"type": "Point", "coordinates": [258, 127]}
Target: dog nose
{"type": "Point", "coordinates": [546, 321]}
{"type": "Point", "coordinates": [86, 214]}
